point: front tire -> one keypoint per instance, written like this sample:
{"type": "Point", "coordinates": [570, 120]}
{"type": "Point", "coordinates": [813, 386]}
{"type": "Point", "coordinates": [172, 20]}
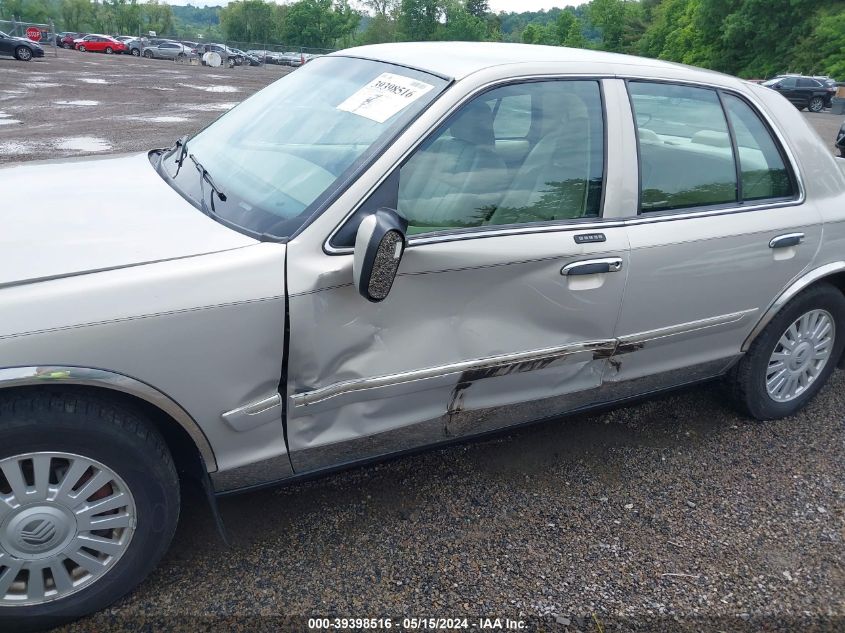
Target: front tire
{"type": "Point", "coordinates": [96, 504]}
{"type": "Point", "coordinates": [135, 52]}
{"type": "Point", "coordinates": [794, 356]}
{"type": "Point", "coordinates": [109, 50]}
{"type": "Point", "coordinates": [23, 53]}
{"type": "Point", "coordinates": [148, 54]}
{"type": "Point", "coordinates": [81, 49]}
{"type": "Point", "coordinates": [816, 104]}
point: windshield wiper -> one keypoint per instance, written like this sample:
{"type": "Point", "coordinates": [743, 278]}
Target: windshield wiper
{"type": "Point", "coordinates": [205, 177]}
{"type": "Point", "coordinates": [182, 145]}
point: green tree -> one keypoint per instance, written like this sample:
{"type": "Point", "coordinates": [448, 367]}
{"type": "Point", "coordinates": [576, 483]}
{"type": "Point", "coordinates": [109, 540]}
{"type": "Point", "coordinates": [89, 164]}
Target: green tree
{"type": "Point", "coordinates": [461, 25]}
{"type": "Point", "coordinates": [575, 37]}
{"type": "Point", "coordinates": [478, 8]}
{"type": "Point", "coordinates": [563, 25]}
{"type": "Point", "coordinates": [419, 19]}
{"type": "Point", "coordinates": [319, 23]}
{"type": "Point", "coordinates": [76, 14]}
{"type": "Point", "coordinates": [247, 20]}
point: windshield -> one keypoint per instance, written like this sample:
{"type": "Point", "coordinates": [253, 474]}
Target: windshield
{"type": "Point", "coordinates": [284, 151]}
{"type": "Point", "coordinates": [771, 82]}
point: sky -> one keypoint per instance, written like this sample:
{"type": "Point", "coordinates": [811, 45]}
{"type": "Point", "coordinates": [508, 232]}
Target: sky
{"type": "Point", "coordinates": [495, 5]}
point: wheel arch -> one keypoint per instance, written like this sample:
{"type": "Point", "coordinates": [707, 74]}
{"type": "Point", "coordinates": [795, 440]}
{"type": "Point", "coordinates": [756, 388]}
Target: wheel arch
{"type": "Point", "coordinates": [832, 273]}
{"type": "Point", "coordinates": [187, 443]}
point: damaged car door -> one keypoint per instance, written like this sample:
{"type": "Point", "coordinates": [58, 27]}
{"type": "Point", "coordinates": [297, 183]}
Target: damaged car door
{"type": "Point", "coordinates": [506, 300]}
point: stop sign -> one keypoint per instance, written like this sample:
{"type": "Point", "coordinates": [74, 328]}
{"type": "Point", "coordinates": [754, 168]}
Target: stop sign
{"type": "Point", "coordinates": [33, 33]}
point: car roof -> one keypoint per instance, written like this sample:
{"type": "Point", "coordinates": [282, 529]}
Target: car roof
{"type": "Point", "coordinates": [456, 60]}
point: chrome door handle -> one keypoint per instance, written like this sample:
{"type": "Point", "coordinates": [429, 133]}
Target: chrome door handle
{"type": "Point", "coordinates": [785, 241]}
{"type": "Point", "coordinates": [592, 267]}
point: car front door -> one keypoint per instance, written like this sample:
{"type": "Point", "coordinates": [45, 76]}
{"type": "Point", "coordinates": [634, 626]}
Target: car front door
{"type": "Point", "coordinates": [506, 302]}
{"type": "Point", "coordinates": [5, 44]}
{"type": "Point", "coordinates": [722, 230]}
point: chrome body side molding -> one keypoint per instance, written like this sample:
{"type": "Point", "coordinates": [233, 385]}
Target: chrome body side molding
{"type": "Point", "coordinates": [254, 414]}
{"type": "Point", "coordinates": [787, 295]}
{"type": "Point", "coordinates": [642, 338]}
{"type": "Point", "coordinates": [503, 361]}
{"type": "Point", "coordinates": [57, 375]}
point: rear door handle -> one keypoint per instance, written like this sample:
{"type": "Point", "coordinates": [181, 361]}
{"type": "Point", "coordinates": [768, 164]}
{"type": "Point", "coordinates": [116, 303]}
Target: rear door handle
{"type": "Point", "coordinates": [785, 241]}
{"type": "Point", "coordinates": [592, 267]}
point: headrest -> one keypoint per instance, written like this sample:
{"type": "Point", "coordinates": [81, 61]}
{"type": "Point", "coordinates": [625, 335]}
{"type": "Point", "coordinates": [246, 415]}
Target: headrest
{"type": "Point", "coordinates": [474, 125]}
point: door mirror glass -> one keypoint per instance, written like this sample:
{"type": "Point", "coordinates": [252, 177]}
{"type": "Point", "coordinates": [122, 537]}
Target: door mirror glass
{"type": "Point", "coordinates": [379, 246]}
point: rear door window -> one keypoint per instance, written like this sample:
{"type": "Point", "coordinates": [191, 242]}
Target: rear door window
{"type": "Point", "coordinates": [762, 164]}
{"type": "Point", "coordinates": [686, 157]}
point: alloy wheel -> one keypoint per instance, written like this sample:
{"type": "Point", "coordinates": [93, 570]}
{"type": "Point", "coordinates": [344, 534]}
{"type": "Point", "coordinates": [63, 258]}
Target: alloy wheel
{"type": "Point", "coordinates": [800, 355]}
{"type": "Point", "coordinates": [24, 54]}
{"type": "Point", "coordinates": [816, 104]}
{"type": "Point", "coordinates": [65, 521]}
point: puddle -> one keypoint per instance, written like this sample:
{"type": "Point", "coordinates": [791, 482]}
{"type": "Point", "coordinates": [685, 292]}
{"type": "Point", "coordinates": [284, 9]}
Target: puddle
{"type": "Point", "coordinates": [91, 80]}
{"type": "Point", "coordinates": [83, 144]}
{"type": "Point", "coordinates": [11, 148]}
{"type": "Point", "coordinates": [80, 102]}
{"type": "Point", "coordinates": [167, 119]}
{"type": "Point", "coordinates": [207, 107]}
{"type": "Point", "coordinates": [212, 88]}
{"type": "Point", "coordinates": [8, 121]}
{"type": "Point", "coordinates": [42, 84]}
{"type": "Point", "coordinates": [160, 88]}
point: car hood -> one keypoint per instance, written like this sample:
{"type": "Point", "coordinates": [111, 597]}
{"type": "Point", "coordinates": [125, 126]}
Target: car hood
{"type": "Point", "coordinates": [63, 218]}
{"type": "Point", "coordinates": [26, 41]}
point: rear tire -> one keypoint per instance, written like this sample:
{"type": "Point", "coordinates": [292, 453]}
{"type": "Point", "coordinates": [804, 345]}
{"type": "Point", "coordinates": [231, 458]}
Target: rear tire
{"type": "Point", "coordinates": [108, 50]}
{"type": "Point", "coordinates": [124, 451]}
{"type": "Point", "coordinates": [816, 104]}
{"type": "Point", "coordinates": [787, 351]}
{"type": "Point", "coordinates": [135, 52]}
{"type": "Point", "coordinates": [148, 54]}
{"type": "Point", "coordinates": [23, 53]}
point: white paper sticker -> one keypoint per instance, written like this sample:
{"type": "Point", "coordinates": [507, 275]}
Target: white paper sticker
{"type": "Point", "coordinates": [384, 96]}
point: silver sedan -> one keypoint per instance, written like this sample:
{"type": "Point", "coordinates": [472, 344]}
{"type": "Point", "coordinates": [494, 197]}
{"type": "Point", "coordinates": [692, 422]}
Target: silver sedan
{"type": "Point", "coordinates": [395, 247]}
{"type": "Point", "coordinates": [168, 50]}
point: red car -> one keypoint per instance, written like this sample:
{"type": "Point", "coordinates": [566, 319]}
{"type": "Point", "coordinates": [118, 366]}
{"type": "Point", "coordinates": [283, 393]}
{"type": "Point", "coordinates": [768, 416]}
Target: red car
{"type": "Point", "coordinates": [100, 44]}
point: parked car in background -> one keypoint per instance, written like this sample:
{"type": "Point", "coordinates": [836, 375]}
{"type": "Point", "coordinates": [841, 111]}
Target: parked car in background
{"type": "Point", "coordinates": [68, 39]}
{"type": "Point", "coordinates": [100, 44]}
{"type": "Point", "coordinates": [803, 92]}
{"type": "Point", "coordinates": [168, 50]}
{"type": "Point", "coordinates": [251, 60]}
{"type": "Point", "coordinates": [226, 53]}
{"type": "Point", "coordinates": [267, 57]}
{"type": "Point", "coordinates": [20, 48]}
{"type": "Point", "coordinates": [396, 247]}
{"type": "Point", "coordinates": [840, 141]}
{"type": "Point", "coordinates": [292, 58]}
{"type": "Point", "coordinates": [136, 45]}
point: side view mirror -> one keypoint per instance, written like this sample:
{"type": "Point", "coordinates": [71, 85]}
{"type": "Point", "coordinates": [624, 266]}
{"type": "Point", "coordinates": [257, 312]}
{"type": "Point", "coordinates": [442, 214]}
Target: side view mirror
{"type": "Point", "coordinates": [379, 246]}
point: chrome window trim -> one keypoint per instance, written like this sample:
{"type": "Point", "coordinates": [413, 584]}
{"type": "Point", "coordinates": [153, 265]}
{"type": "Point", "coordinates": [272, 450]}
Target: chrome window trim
{"type": "Point", "coordinates": [591, 223]}
{"type": "Point", "coordinates": [761, 112]}
{"type": "Point", "coordinates": [60, 375]}
{"type": "Point", "coordinates": [490, 85]}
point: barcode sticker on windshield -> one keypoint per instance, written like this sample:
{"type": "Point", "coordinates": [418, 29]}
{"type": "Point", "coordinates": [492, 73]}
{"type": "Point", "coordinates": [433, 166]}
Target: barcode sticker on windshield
{"type": "Point", "coordinates": [384, 96]}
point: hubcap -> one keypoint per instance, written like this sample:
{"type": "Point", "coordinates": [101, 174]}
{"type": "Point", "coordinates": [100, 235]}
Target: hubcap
{"type": "Point", "coordinates": [65, 520]}
{"type": "Point", "coordinates": [800, 355]}
{"type": "Point", "coordinates": [25, 54]}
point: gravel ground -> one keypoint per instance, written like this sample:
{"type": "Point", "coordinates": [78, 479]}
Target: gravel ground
{"type": "Point", "coordinates": [674, 514]}
{"type": "Point", "coordinates": [90, 103]}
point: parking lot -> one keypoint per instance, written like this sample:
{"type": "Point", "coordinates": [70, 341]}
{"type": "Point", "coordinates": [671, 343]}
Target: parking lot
{"type": "Point", "coordinates": [88, 103]}
{"type": "Point", "coordinates": [675, 514]}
